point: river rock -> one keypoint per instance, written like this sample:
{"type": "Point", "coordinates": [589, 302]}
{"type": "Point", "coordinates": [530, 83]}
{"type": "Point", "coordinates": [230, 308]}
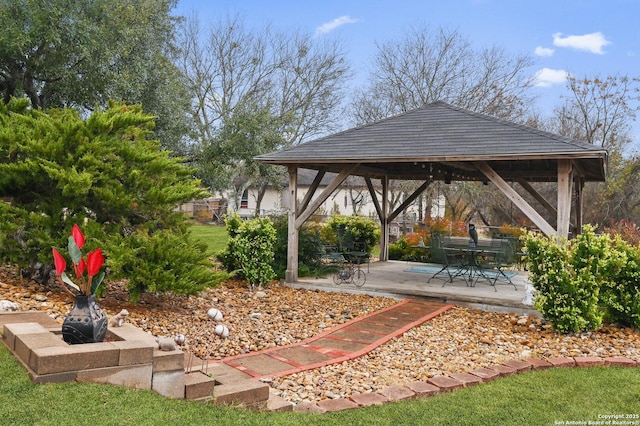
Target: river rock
{"type": "Point", "coordinates": [449, 343]}
{"type": "Point", "coordinates": [8, 306]}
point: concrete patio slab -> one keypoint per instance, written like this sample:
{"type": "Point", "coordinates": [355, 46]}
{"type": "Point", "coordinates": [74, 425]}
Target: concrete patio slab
{"type": "Point", "coordinates": [392, 279]}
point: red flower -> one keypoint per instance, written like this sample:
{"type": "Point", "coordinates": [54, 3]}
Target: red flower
{"type": "Point", "coordinates": [86, 268]}
{"type": "Point", "coordinates": [80, 267]}
{"type": "Point", "coordinates": [78, 237]}
{"type": "Point", "coordinates": [94, 262]}
{"type": "Point", "coordinates": [61, 264]}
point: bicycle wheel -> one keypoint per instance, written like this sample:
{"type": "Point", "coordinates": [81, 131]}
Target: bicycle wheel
{"type": "Point", "coordinates": [359, 277]}
{"type": "Point", "coordinates": [337, 278]}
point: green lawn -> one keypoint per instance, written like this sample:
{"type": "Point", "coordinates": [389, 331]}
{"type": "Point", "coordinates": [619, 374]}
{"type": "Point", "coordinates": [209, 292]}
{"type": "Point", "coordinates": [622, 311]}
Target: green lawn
{"type": "Point", "coordinates": [536, 398]}
{"type": "Point", "coordinates": [214, 236]}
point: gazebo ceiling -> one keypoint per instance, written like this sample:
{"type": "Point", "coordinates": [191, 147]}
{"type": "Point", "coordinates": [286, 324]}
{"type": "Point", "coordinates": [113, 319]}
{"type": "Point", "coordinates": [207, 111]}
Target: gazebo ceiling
{"type": "Point", "coordinates": [442, 141]}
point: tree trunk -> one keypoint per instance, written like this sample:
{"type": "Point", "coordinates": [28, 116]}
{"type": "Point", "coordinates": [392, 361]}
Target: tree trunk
{"type": "Point", "coordinates": [262, 190]}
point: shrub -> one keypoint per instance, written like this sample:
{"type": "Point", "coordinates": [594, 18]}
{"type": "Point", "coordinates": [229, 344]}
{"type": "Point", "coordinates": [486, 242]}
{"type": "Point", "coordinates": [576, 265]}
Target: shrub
{"type": "Point", "coordinates": [446, 226]}
{"type": "Point", "coordinates": [348, 230]}
{"type": "Point", "coordinates": [104, 172]}
{"type": "Point", "coordinates": [228, 257]}
{"type": "Point", "coordinates": [165, 261]}
{"type": "Point", "coordinates": [403, 250]}
{"type": "Point", "coordinates": [626, 229]}
{"type": "Point", "coordinates": [585, 281]}
{"type": "Point", "coordinates": [620, 294]}
{"type": "Point", "coordinates": [250, 249]}
{"type": "Point", "coordinates": [567, 279]}
{"type": "Point", "coordinates": [397, 249]}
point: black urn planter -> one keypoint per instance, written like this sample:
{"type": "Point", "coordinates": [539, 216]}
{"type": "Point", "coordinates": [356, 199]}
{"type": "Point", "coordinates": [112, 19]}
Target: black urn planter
{"type": "Point", "coordinates": [86, 323]}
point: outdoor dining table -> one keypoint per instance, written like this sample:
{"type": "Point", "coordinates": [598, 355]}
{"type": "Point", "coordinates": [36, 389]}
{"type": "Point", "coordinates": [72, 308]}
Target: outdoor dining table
{"type": "Point", "coordinates": [471, 266]}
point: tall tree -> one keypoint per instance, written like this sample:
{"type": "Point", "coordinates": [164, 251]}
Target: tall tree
{"type": "Point", "coordinates": [232, 70]}
{"type": "Point", "coordinates": [600, 111]}
{"type": "Point", "coordinates": [81, 54]}
{"type": "Point", "coordinates": [425, 66]}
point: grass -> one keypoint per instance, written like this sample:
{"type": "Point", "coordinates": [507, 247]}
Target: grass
{"type": "Point", "coordinates": [535, 398]}
{"type": "Point", "coordinates": [214, 236]}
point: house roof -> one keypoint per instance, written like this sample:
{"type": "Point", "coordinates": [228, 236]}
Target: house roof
{"type": "Point", "coordinates": [439, 139]}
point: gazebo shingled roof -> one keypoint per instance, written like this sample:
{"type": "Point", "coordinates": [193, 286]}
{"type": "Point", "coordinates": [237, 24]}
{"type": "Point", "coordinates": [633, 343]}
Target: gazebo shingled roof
{"type": "Point", "coordinates": [439, 141]}
{"type": "Point", "coordinates": [401, 147]}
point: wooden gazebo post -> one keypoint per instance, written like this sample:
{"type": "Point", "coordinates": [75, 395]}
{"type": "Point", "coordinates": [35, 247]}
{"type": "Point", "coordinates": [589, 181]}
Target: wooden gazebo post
{"type": "Point", "coordinates": [291, 274]}
{"type": "Point", "coordinates": [384, 220]}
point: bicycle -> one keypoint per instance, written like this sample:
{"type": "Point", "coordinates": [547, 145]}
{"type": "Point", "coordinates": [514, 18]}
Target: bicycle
{"type": "Point", "coordinates": [350, 274]}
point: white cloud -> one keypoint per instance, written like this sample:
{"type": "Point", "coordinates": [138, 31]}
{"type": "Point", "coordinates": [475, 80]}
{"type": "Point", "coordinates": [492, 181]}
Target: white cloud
{"type": "Point", "coordinates": [593, 42]}
{"type": "Point", "coordinates": [547, 77]}
{"type": "Point", "coordinates": [544, 51]}
{"type": "Point", "coordinates": [327, 27]}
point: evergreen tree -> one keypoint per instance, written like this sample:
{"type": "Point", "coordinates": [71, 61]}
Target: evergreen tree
{"type": "Point", "coordinates": [102, 172]}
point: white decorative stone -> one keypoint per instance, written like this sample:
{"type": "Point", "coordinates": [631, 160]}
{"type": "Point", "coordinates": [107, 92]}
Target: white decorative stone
{"type": "Point", "coordinates": [166, 344]}
{"type": "Point", "coordinates": [180, 339]}
{"type": "Point", "coordinates": [8, 306]}
{"type": "Point", "coordinates": [214, 314]}
{"type": "Point", "coordinates": [221, 331]}
{"type": "Point", "coordinates": [528, 294]}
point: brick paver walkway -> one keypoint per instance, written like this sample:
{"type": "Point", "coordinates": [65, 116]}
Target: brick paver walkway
{"type": "Point", "coordinates": [345, 342]}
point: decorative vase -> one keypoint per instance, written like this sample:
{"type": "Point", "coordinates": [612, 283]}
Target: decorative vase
{"type": "Point", "coordinates": [86, 323]}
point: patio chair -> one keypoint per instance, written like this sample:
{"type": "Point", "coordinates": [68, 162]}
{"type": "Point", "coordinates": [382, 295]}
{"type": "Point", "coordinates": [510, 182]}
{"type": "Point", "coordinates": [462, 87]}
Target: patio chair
{"type": "Point", "coordinates": [504, 257]}
{"type": "Point", "coordinates": [331, 261]}
{"type": "Point", "coordinates": [452, 265]}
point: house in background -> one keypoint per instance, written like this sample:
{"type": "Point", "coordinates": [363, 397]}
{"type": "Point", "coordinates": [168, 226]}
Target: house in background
{"type": "Point", "coordinates": [351, 198]}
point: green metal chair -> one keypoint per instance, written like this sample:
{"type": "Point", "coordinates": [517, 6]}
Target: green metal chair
{"type": "Point", "coordinates": [505, 257]}
{"type": "Point", "coordinates": [452, 265]}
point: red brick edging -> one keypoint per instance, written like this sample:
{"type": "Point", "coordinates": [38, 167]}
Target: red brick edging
{"type": "Point", "coordinates": [440, 384]}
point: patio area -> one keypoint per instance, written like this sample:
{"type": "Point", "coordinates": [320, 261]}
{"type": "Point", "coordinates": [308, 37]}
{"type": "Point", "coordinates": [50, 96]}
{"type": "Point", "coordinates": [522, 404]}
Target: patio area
{"type": "Point", "coordinates": [400, 279]}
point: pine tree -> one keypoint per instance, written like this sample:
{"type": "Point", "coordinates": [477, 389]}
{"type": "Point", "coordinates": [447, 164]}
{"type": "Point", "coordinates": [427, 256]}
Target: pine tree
{"type": "Point", "coordinates": [102, 172]}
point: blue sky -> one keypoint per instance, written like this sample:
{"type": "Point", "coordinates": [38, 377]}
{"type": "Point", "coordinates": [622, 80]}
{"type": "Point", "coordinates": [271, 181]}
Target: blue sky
{"type": "Point", "coordinates": [581, 37]}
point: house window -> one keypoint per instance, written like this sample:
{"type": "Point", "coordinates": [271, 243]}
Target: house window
{"type": "Point", "coordinates": [244, 202]}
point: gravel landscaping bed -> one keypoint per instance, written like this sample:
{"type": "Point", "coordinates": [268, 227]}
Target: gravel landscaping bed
{"type": "Point", "coordinates": [460, 340]}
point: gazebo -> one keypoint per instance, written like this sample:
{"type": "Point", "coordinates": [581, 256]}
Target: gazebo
{"type": "Point", "coordinates": [441, 142]}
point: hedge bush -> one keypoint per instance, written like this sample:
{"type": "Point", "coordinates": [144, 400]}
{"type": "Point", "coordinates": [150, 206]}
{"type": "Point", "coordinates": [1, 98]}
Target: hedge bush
{"type": "Point", "coordinates": [347, 230]}
{"type": "Point", "coordinates": [249, 251]}
{"type": "Point", "coordinates": [581, 281]}
{"type": "Point", "coordinates": [167, 261]}
{"type": "Point", "coordinates": [621, 294]}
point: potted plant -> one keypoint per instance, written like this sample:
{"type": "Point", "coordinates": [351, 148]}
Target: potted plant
{"type": "Point", "coordinates": [86, 322]}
